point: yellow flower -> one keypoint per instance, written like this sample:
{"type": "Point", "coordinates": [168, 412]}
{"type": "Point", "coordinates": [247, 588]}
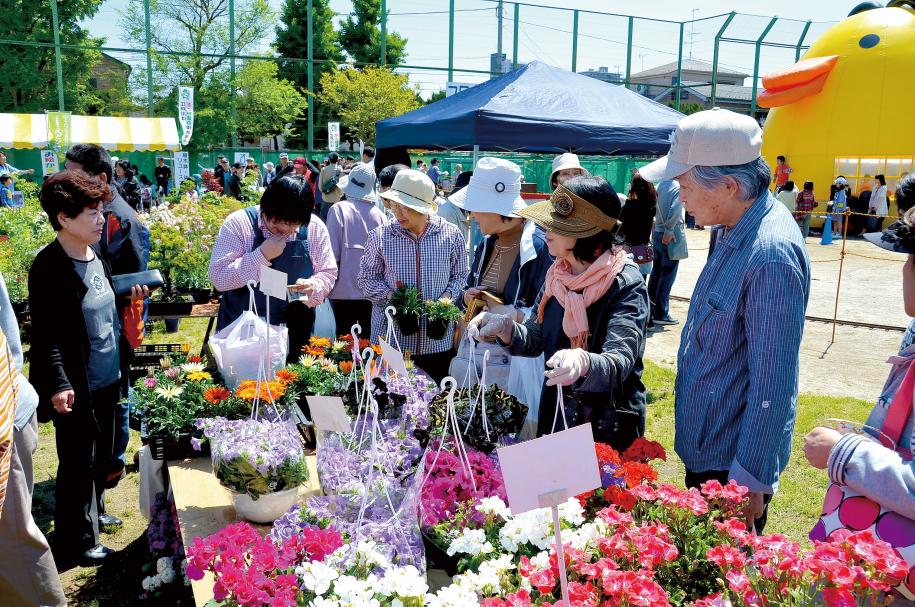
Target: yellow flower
{"type": "Point", "coordinates": [169, 392]}
{"type": "Point", "coordinates": [199, 376]}
{"type": "Point", "coordinates": [328, 365]}
{"type": "Point", "coordinates": [308, 360]}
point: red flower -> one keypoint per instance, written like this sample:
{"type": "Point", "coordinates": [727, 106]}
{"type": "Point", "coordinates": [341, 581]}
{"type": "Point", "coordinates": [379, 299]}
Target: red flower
{"type": "Point", "coordinates": [838, 597]}
{"type": "Point", "coordinates": [544, 581]}
{"type": "Point", "coordinates": [620, 497]}
{"type": "Point", "coordinates": [644, 450]}
{"type": "Point", "coordinates": [634, 472]}
{"type": "Point", "coordinates": [726, 557]}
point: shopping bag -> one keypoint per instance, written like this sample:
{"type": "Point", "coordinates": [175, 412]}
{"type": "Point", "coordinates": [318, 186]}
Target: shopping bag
{"type": "Point", "coordinates": [240, 349]}
{"type": "Point", "coordinates": [325, 322]}
{"type": "Point", "coordinates": [844, 508]}
{"type": "Point", "coordinates": [525, 382]}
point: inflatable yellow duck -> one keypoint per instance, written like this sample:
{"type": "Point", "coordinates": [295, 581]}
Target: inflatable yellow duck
{"type": "Point", "coordinates": [845, 108]}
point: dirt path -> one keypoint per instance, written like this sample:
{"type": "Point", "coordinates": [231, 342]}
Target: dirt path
{"type": "Point", "coordinates": [855, 365]}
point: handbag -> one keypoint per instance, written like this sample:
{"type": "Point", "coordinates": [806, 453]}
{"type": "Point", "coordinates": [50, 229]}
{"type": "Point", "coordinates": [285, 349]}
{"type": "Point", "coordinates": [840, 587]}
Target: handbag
{"type": "Point", "coordinates": [844, 508]}
{"type": "Point", "coordinates": [124, 282]}
{"type": "Point", "coordinates": [642, 253]}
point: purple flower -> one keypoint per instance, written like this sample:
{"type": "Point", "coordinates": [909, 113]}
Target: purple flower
{"type": "Point", "coordinates": [195, 443]}
{"type": "Point", "coordinates": [150, 382]}
{"type": "Point", "coordinates": [173, 372]}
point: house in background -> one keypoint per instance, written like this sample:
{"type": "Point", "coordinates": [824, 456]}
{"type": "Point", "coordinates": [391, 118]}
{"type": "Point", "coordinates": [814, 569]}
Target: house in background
{"type": "Point", "coordinates": [604, 74]}
{"type": "Point", "coordinates": [660, 83]}
{"type": "Point", "coordinates": [109, 73]}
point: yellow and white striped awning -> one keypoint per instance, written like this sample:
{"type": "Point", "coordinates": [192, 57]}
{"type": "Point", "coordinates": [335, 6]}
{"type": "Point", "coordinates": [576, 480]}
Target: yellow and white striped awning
{"type": "Point", "coordinates": [30, 131]}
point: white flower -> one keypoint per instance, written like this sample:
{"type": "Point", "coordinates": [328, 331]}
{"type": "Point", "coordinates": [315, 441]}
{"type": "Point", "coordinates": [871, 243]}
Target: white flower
{"type": "Point", "coordinates": [572, 512]}
{"type": "Point", "coordinates": [353, 591]}
{"type": "Point", "coordinates": [369, 553]}
{"type": "Point", "coordinates": [163, 564]}
{"type": "Point", "coordinates": [494, 506]}
{"type": "Point", "coordinates": [320, 601]}
{"type": "Point", "coordinates": [454, 596]}
{"type": "Point", "coordinates": [404, 582]}
{"type": "Point", "coordinates": [541, 560]}
{"type": "Point", "coordinates": [472, 542]}
{"type": "Point", "coordinates": [167, 576]}
{"type": "Point", "coordinates": [193, 367]}
{"type": "Point", "coordinates": [316, 576]}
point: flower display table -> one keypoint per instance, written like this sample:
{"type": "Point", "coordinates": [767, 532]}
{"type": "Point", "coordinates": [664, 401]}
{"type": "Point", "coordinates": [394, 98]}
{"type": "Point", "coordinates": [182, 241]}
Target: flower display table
{"type": "Point", "coordinates": [204, 507]}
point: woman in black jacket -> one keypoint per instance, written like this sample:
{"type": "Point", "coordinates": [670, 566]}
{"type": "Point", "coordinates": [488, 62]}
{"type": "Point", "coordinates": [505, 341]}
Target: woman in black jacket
{"type": "Point", "coordinates": [590, 319]}
{"type": "Point", "coordinates": [77, 345]}
{"type": "Point", "coordinates": [126, 178]}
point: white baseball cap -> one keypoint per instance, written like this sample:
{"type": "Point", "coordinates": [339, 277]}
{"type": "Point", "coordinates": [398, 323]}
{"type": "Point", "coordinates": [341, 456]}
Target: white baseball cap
{"type": "Point", "coordinates": [359, 183]}
{"type": "Point", "coordinates": [412, 189]}
{"type": "Point", "coordinates": [495, 187]}
{"type": "Point", "coordinates": [566, 161]}
{"type": "Point", "coordinates": [714, 137]}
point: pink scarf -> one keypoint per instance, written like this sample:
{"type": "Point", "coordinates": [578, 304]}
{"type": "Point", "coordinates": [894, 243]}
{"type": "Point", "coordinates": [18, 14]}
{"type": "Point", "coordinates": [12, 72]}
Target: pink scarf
{"type": "Point", "coordinates": [576, 293]}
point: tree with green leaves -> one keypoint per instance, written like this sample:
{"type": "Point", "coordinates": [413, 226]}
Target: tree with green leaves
{"type": "Point", "coordinates": [437, 96]}
{"type": "Point", "coordinates": [362, 97]}
{"type": "Point", "coordinates": [266, 103]}
{"type": "Point", "coordinates": [29, 82]}
{"type": "Point", "coordinates": [199, 30]}
{"type": "Point", "coordinates": [292, 43]}
{"type": "Point", "coordinates": [360, 35]}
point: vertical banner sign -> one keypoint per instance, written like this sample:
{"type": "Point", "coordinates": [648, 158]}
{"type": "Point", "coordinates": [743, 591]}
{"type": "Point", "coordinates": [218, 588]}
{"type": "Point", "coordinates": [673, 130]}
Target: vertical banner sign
{"type": "Point", "coordinates": [186, 113]}
{"type": "Point", "coordinates": [49, 162]}
{"type": "Point", "coordinates": [58, 132]}
{"type": "Point", "coordinates": [241, 157]}
{"type": "Point", "coordinates": [182, 166]}
{"type": "Point", "coordinates": [333, 136]}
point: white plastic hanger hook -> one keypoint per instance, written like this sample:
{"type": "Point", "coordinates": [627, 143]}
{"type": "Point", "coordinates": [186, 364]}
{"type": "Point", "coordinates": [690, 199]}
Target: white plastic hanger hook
{"type": "Point", "coordinates": [452, 390]}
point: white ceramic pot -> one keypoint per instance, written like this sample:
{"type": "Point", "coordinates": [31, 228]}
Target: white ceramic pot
{"type": "Point", "coordinates": [265, 509]}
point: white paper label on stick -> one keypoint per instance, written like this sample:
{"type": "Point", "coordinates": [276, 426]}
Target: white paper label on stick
{"type": "Point", "coordinates": [273, 283]}
{"type": "Point", "coordinates": [327, 413]}
{"type": "Point", "coordinates": [393, 358]}
{"type": "Point", "coordinates": [547, 471]}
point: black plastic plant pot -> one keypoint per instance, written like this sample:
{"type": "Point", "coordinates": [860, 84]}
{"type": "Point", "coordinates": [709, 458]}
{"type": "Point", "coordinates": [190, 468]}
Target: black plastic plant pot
{"type": "Point", "coordinates": [409, 324]}
{"type": "Point", "coordinates": [436, 329]}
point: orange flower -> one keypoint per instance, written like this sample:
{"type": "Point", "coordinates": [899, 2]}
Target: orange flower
{"type": "Point", "coordinates": [312, 351]}
{"type": "Point", "coordinates": [193, 359]}
{"type": "Point", "coordinates": [346, 366]}
{"type": "Point", "coordinates": [216, 394]}
{"type": "Point", "coordinates": [319, 342]}
{"type": "Point", "coordinates": [286, 376]}
{"type": "Point", "coordinates": [606, 454]}
{"type": "Point", "coordinates": [635, 473]}
{"type": "Point", "coordinates": [248, 390]}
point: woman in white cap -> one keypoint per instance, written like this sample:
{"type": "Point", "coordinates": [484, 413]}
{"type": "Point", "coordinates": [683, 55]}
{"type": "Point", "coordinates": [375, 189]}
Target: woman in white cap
{"type": "Point", "coordinates": [349, 222]}
{"type": "Point", "coordinates": [591, 317]}
{"type": "Point", "coordinates": [418, 249]}
{"type": "Point", "coordinates": [565, 166]}
{"type": "Point", "coordinates": [511, 261]}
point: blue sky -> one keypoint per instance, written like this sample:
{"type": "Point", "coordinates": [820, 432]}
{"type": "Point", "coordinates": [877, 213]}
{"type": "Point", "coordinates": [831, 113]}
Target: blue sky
{"type": "Point", "coordinates": [545, 33]}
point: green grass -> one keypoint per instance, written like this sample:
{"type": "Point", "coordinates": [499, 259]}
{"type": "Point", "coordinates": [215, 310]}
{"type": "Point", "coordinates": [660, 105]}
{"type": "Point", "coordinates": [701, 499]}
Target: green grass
{"type": "Point", "coordinates": [796, 506]}
{"type": "Point", "coordinates": [793, 511]}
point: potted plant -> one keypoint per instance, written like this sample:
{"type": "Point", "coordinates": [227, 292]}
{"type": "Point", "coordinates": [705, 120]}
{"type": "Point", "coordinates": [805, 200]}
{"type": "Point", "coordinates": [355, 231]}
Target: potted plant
{"type": "Point", "coordinates": [261, 462]}
{"type": "Point", "coordinates": [408, 302]}
{"type": "Point", "coordinates": [440, 313]}
{"type": "Point", "coordinates": [172, 397]}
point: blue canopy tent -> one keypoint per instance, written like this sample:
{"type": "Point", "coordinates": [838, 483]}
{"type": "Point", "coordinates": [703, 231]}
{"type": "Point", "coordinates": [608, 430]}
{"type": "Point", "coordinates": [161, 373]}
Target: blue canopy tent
{"type": "Point", "coordinates": [537, 108]}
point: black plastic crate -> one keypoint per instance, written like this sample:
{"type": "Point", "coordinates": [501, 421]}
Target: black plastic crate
{"type": "Point", "coordinates": [147, 357]}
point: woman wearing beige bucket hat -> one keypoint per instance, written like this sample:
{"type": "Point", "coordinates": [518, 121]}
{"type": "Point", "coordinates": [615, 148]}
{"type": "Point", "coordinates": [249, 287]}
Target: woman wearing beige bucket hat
{"type": "Point", "coordinates": [566, 166]}
{"type": "Point", "coordinates": [590, 319]}
{"type": "Point", "coordinates": [418, 249]}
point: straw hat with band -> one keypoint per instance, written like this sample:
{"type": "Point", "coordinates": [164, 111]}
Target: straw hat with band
{"type": "Point", "coordinates": [414, 190]}
{"type": "Point", "coordinates": [568, 214]}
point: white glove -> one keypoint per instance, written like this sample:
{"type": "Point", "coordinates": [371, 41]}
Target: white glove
{"type": "Point", "coordinates": [487, 326]}
{"type": "Point", "coordinates": [568, 366]}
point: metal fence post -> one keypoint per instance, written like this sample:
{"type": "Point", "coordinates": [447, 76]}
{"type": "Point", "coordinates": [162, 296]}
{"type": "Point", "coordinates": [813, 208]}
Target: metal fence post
{"type": "Point", "coordinates": [149, 82]}
{"type": "Point", "coordinates": [311, 83]}
{"type": "Point", "coordinates": [232, 91]}
{"type": "Point", "coordinates": [629, 53]}
{"type": "Point", "coordinates": [384, 32]}
{"type": "Point", "coordinates": [451, 41]}
{"type": "Point", "coordinates": [574, 39]}
{"type": "Point", "coordinates": [800, 42]}
{"type": "Point", "coordinates": [58, 65]}
{"type": "Point", "coordinates": [515, 39]}
{"type": "Point", "coordinates": [680, 65]}
{"type": "Point", "coordinates": [759, 42]}
{"type": "Point", "coordinates": [718, 36]}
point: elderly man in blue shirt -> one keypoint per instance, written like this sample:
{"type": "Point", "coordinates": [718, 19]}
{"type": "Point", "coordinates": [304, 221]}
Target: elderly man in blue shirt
{"type": "Point", "coordinates": [737, 367]}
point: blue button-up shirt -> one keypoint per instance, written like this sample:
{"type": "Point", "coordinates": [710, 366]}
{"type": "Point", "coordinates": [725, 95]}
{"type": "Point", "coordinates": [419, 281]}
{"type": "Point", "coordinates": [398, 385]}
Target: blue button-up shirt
{"type": "Point", "coordinates": [737, 374]}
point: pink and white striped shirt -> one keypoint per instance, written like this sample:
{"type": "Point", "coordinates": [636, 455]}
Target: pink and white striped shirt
{"type": "Point", "coordinates": [233, 263]}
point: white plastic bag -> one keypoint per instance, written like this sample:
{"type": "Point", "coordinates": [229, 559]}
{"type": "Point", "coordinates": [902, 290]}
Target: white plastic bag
{"type": "Point", "coordinates": [240, 348]}
{"type": "Point", "coordinates": [525, 382]}
{"type": "Point", "coordinates": [325, 322]}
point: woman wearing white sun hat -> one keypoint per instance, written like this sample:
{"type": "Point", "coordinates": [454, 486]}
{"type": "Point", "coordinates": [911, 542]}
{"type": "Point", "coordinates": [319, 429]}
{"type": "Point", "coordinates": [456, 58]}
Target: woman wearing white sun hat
{"type": "Point", "coordinates": [510, 263]}
{"type": "Point", "coordinates": [418, 249]}
{"type": "Point", "coordinates": [565, 167]}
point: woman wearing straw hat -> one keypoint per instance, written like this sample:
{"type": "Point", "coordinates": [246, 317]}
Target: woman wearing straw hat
{"type": "Point", "coordinates": [418, 249]}
{"type": "Point", "coordinates": [590, 319]}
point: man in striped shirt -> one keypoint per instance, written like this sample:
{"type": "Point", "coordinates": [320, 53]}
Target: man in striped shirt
{"type": "Point", "coordinates": [737, 368]}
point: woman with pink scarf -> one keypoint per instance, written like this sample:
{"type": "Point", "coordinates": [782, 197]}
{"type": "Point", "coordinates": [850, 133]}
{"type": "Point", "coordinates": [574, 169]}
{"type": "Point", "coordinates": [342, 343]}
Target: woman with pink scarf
{"type": "Point", "coordinates": [591, 317]}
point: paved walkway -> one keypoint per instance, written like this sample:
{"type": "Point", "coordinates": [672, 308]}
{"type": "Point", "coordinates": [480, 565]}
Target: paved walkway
{"type": "Point", "coordinates": [855, 365]}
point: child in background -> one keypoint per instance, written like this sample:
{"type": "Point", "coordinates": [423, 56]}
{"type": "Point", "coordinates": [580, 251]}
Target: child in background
{"type": "Point", "coordinates": [6, 190]}
{"type": "Point", "coordinates": [839, 206]}
{"type": "Point", "coordinates": [782, 171]}
{"type": "Point", "coordinates": [805, 204]}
